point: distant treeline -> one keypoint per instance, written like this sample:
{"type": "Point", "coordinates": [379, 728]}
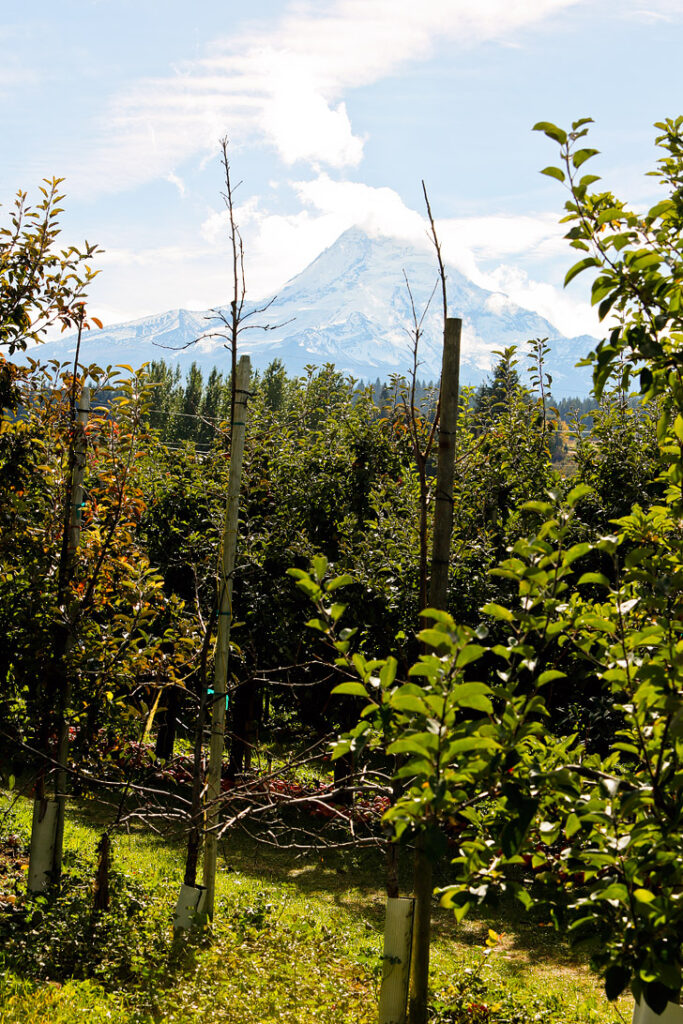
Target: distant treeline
{"type": "Point", "coordinates": [191, 408]}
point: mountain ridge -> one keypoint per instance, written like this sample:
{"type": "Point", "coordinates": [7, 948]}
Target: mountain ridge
{"type": "Point", "coordinates": [350, 306]}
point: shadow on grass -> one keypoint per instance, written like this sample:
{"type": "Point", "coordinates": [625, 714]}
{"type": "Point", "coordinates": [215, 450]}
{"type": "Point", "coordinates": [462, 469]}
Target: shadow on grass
{"type": "Point", "coordinates": [354, 883]}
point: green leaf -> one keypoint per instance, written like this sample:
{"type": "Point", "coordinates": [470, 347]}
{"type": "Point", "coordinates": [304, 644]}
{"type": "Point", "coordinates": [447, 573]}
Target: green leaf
{"type": "Point", "coordinates": [460, 912]}
{"type": "Point", "coordinates": [552, 131]}
{"type": "Point", "coordinates": [594, 577]}
{"type": "Point", "coordinates": [657, 996]}
{"type": "Point", "coordinates": [477, 702]}
{"type": "Point", "coordinates": [464, 693]}
{"type": "Point", "coordinates": [550, 675]}
{"type": "Point", "coordinates": [421, 745]}
{"type": "Point", "coordinates": [497, 611]}
{"type": "Point", "coordinates": [589, 261]}
{"type": "Point", "coordinates": [408, 702]}
{"type": "Point", "coordinates": [543, 507]}
{"type": "Point", "coordinates": [645, 262]}
{"type": "Point", "coordinates": [468, 654]}
{"type": "Point", "coordinates": [610, 215]}
{"type": "Point", "coordinates": [572, 826]}
{"type": "Point", "coordinates": [666, 206]}
{"type": "Point", "coordinates": [339, 581]}
{"type": "Point", "coordinates": [435, 638]}
{"type": "Point", "coordinates": [351, 689]}
{"type": "Point", "coordinates": [515, 830]}
{"type": "Point", "coordinates": [319, 566]}
{"type": "Point", "coordinates": [643, 895]}
{"type": "Point", "coordinates": [336, 611]}
{"type": "Point", "coordinates": [577, 551]}
{"type": "Point", "coordinates": [309, 588]}
{"type": "Point", "coordinates": [387, 673]}
{"type": "Point", "coordinates": [554, 172]}
{"type": "Point", "coordinates": [438, 615]}
{"type": "Point", "coordinates": [549, 830]}
{"type": "Point", "coordinates": [606, 304]}
{"type": "Point", "coordinates": [582, 155]}
{"type": "Point", "coordinates": [317, 624]}
{"type": "Point", "coordinates": [616, 892]}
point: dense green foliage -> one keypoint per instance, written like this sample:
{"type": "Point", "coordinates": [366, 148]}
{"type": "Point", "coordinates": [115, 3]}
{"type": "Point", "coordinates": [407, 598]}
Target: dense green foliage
{"type": "Point", "coordinates": [475, 748]}
{"type": "Point", "coordinates": [533, 732]}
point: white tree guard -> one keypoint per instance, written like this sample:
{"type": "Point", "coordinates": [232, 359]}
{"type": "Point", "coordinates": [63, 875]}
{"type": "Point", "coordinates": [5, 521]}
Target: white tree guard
{"type": "Point", "coordinates": [190, 908]}
{"type": "Point", "coordinates": [43, 839]}
{"type": "Point", "coordinates": [398, 933]}
{"type": "Point", "coordinates": [642, 1014]}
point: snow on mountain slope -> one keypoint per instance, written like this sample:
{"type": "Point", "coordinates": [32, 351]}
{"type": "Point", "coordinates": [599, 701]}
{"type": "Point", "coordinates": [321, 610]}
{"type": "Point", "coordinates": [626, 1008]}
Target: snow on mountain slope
{"type": "Point", "coordinates": [350, 307]}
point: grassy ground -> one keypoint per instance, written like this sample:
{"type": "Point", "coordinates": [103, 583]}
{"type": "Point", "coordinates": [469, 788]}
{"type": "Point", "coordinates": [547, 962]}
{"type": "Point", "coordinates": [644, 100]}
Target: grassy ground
{"type": "Point", "coordinates": [295, 941]}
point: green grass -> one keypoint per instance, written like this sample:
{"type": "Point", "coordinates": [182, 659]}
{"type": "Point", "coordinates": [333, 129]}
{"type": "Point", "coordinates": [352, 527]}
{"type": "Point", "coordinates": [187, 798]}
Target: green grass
{"type": "Point", "coordinates": [295, 941]}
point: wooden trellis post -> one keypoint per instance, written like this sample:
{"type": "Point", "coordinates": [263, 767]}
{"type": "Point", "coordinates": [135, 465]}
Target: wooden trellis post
{"type": "Point", "coordinates": [226, 569]}
{"type": "Point", "coordinates": [438, 595]}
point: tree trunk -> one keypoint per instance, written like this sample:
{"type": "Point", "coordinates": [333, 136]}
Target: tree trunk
{"type": "Point", "coordinates": [419, 965]}
{"type": "Point", "coordinates": [343, 779]}
{"type": "Point", "coordinates": [101, 887]}
{"type": "Point", "coordinates": [245, 724]}
{"type": "Point", "coordinates": [168, 724]}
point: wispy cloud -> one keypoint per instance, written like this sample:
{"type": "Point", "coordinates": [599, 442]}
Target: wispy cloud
{"type": "Point", "coordinates": [174, 179]}
{"type": "Point", "coordinates": [287, 85]}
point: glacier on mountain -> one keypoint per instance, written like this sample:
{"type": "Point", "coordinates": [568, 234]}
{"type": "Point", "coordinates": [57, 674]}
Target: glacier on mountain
{"type": "Point", "coordinates": [350, 307]}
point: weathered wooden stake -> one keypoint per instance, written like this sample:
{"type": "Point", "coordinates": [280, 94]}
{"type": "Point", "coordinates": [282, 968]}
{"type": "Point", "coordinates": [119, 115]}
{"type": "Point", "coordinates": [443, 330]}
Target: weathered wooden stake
{"type": "Point", "coordinates": [225, 581]}
{"type": "Point", "coordinates": [445, 466]}
{"type": "Point", "coordinates": [398, 932]}
{"type": "Point", "coordinates": [438, 598]}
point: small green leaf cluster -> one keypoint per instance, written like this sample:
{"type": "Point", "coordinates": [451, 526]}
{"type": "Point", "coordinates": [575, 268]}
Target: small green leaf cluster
{"type": "Point", "coordinates": [637, 259]}
{"type": "Point", "coordinates": [40, 285]}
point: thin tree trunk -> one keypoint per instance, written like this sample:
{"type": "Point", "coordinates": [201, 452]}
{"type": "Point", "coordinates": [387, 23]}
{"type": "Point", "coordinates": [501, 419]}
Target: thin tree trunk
{"type": "Point", "coordinates": [168, 724]}
{"type": "Point", "coordinates": [60, 689]}
{"type": "Point", "coordinates": [194, 839]}
{"type": "Point", "coordinates": [419, 966]}
{"type": "Point", "coordinates": [101, 887]}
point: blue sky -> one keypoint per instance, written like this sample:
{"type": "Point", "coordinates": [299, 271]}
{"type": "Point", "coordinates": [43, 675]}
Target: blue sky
{"type": "Point", "coordinates": [335, 110]}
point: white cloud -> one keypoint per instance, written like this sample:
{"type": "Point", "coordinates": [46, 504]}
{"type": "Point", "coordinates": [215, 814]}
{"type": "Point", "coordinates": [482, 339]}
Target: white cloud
{"type": "Point", "coordinates": [641, 15]}
{"type": "Point", "coordinates": [571, 316]}
{"type": "Point", "coordinates": [492, 251]}
{"type": "Point", "coordinates": [173, 179]}
{"type": "Point", "coordinates": [286, 85]}
{"type": "Point", "coordinates": [278, 246]}
{"type": "Point", "coordinates": [379, 211]}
